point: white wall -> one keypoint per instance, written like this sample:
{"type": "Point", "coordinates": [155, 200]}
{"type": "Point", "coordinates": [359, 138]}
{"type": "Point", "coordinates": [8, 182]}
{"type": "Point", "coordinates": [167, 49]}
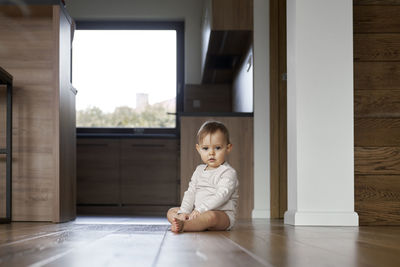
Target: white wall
{"type": "Point", "coordinates": [320, 113]}
{"type": "Point", "coordinates": [188, 10]}
{"type": "Point", "coordinates": [261, 110]}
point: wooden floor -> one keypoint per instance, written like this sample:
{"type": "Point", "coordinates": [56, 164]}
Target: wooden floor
{"type": "Point", "coordinates": [129, 241]}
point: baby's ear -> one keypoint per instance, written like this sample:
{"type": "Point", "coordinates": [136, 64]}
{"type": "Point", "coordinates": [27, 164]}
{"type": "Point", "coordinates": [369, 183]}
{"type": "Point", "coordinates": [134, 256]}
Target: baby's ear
{"type": "Point", "coordinates": [229, 148]}
{"type": "Point", "coordinates": [198, 148]}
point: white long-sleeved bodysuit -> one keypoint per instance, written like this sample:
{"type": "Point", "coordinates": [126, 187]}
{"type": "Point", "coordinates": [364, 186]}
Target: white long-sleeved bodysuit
{"type": "Point", "coordinates": [215, 189]}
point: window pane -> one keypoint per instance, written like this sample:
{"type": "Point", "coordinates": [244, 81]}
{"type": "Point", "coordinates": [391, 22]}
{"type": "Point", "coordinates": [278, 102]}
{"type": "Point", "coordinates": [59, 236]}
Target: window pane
{"type": "Point", "coordinates": [125, 78]}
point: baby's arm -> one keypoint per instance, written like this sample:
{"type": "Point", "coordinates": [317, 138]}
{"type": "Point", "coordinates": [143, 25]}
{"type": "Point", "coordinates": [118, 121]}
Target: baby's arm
{"type": "Point", "coordinates": [225, 188]}
{"type": "Point", "coordinates": [189, 197]}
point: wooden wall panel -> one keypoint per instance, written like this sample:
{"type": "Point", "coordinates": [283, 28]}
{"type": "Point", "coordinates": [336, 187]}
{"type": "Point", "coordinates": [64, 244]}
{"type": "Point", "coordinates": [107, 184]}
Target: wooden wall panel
{"type": "Point", "coordinates": [241, 157]}
{"type": "Point", "coordinates": [377, 111]}
{"type": "Point", "coordinates": [372, 132]}
{"type": "Point", "coordinates": [25, 55]}
{"type": "Point", "coordinates": [376, 75]}
{"type": "Point", "coordinates": [376, 19]}
{"type": "Point", "coordinates": [377, 47]}
{"type": "Point", "coordinates": [377, 160]}
{"type": "Point", "coordinates": [376, 2]}
{"type": "Point", "coordinates": [377, 199]}
{"type": "Point", "coordinates": [377, 103]}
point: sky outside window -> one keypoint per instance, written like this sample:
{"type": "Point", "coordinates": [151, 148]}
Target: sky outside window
{"type": "Point", "coordinates": [125, 78]}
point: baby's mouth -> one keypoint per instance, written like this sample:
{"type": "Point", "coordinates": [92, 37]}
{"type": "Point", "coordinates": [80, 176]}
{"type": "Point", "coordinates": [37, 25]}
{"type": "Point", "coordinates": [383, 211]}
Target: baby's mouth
{"type": "Point", "coordinates": [211, 159]}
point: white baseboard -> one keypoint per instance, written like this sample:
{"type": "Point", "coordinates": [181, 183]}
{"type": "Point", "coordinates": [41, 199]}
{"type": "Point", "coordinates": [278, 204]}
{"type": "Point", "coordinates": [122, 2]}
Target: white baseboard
{"type": "Point", "coordinates": [294, 217]}
{"type": "Point", "coordinates": [261, 214]}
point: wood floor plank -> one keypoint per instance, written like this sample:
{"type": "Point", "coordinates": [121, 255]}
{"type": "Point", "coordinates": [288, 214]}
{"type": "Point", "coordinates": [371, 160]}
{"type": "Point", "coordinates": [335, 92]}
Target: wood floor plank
{"type": "Point", "coordinates": [113, 250]}
{"type": "Point", "coordinates": [29, 231]}
{"type": "Point", "coordinates": [204, 249]}
{"type": "Point", "coordinates": [285, 245]}
{"type": "Point", "coordinates": [258, 242]}
{"type": "Point", "coordinates": [40, 248]}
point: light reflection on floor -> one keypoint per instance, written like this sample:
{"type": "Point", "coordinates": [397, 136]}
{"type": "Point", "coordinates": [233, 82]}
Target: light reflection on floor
{"type": "Point", "coordinates": [149, 220]}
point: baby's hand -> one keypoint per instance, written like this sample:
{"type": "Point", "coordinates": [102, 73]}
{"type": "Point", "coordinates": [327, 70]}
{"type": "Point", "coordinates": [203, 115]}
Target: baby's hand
{"type": "Point", "coordinates": [194, 214]}
{"type": "Point", "coordinates": [182, 216]}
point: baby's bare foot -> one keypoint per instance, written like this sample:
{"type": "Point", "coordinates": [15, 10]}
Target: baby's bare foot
{"type": "Point", "coordinates": [177, 225]}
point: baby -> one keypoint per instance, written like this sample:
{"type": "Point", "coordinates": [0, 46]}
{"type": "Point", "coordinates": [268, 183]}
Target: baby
{"type": "Point", "coordinates": [210, 202]}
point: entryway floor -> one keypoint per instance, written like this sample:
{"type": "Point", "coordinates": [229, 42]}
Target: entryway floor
{"type": "Point", "coordinates": [147, 241]}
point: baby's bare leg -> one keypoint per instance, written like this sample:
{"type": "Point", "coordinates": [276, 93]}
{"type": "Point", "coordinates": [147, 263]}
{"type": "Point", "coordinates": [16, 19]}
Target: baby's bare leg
{"type": "Point", "coordinates": [212, 220]}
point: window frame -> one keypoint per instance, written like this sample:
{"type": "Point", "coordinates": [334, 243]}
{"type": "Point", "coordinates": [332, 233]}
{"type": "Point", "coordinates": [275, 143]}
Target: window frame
{"type": "Point", "coordinates": [179, 27]}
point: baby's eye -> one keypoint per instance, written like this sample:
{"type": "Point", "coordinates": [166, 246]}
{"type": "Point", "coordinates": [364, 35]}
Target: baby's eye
{"type": "Point", "coordinates": [218, 148]}
{"type": "Point", "coordinates": [205, 148]}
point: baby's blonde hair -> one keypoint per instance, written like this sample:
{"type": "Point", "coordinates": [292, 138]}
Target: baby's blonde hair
{"type": "Point", "coordinates": [211, 127]}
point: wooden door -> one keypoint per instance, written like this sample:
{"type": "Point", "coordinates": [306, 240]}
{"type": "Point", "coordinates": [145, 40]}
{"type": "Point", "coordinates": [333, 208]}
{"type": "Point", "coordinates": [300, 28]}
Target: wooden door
{"type": "Point", "coordinates": [377, 111]}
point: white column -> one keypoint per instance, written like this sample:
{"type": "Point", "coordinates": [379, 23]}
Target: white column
{"type": "Point", "coordinates": [320, 113]}
{"type": "Point", "coordinates": [261, 110]}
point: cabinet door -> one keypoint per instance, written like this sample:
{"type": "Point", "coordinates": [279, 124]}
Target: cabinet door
{"type": "Point", "coordinates": [149, 172]}
{"type": "Point", "coordinates": [97, 171]}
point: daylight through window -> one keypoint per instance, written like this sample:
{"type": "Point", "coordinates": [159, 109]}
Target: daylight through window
{"type": "Point", "coordinates": [125, 78]}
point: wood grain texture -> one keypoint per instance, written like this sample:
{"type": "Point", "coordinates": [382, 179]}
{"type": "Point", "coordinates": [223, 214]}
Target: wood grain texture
{"type": "Point", "coordinates": [149, 172]}
{"type": "Point", "coordinates": [377, 103]}
{"type": "Point", "coordinates": [282, 110]}
{"type": "Point", "coordinates": [98, 179]}
{"type": "Point", "coordinates": [274, 110]}
{"type": "Point", "coordinates": [377, 160]}
{"type": "Point", "coordinates": [376, 2]}
{"type": "Point", "coordinates": [278, 135]}
{"type": "Point", "coordinates": [127, 176]}
{"type": "Point", "coordinates": [25, 54]}
{"type": "Point", "coordinates": [37, 52]}
{"type": "Point", "coordinates": [241, 158]}
{"type": "Point", "coordinates": [376, 132]}
{"type": "Point", "coordinates": [377, 47]}
{"type": "Point", "coordinates": [377, 199]}
{"type": "Point", "coordinates": [376, 19]}
{"type": "Point", "coordinates": [377, 75]}
{"type": "Point", "coordinates": [377, 111]}
{"type": "Point", "coordinates": [126, 241]}
{"type": "Point", "coordinates": [232, 15]}
{"type": "Point", "coordinates": [65, 181]}
{"type": "Point", "coordinates": [212, 97]}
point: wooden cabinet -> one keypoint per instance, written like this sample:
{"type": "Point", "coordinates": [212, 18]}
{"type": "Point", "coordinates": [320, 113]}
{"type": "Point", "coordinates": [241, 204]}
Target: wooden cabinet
{"type": "Point", "coordinates": [128, 175]}
{"type": "Point", "coordinates": [37, 53]}
{"type": "Point", "coordinates": [227, 33]}
{"type": "Point", "coordinates": [241, 157]}
{"type": "Point", "coordinates": [98, 171]}
{"type": "Point", "coordinates": [149, 172]}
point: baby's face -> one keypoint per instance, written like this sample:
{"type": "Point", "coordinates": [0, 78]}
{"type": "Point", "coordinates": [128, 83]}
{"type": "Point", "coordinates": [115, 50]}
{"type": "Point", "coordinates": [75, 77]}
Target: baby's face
{"type": "Point", "coordinates": [213, 149]}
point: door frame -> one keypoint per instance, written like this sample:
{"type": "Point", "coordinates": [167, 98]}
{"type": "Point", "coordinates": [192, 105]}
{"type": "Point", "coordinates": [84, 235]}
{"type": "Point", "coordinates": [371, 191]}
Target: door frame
{"type": "Point", "coordinates": [278, 109]}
